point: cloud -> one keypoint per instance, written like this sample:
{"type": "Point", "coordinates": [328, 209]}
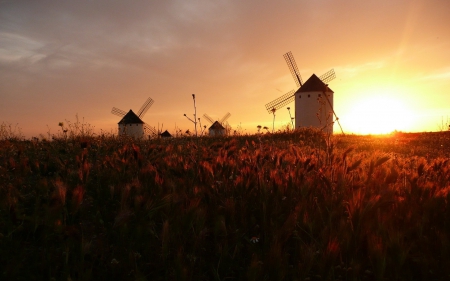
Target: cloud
{"type": "Point", "coordinates": [81, 35]}
{"type": "Point", "coordinates": [353, 70]}
{"type": "Point", "coordinates": [443, 74]}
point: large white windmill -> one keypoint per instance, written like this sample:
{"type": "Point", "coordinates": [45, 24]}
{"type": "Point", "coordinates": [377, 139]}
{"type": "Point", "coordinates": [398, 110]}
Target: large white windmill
{"type": "Point", "coordinates": [218, 128]}
{"type": "Point", "coordinates": [131, 123]}
{"type": "Point", "coordinates": [313, 99]}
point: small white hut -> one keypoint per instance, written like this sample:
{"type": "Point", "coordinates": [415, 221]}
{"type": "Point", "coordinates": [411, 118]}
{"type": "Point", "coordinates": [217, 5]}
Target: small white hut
{"type": "Point", "coordinates": [314, 105]}
{"type": "Point", "coordinates": [217, 129]}
{"type": "Point", "coordinates": [131, 125]}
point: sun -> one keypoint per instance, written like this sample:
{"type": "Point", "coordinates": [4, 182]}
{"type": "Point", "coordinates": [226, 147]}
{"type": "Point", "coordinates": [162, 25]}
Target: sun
{"type": "Point", "coordinates": [379, 114]}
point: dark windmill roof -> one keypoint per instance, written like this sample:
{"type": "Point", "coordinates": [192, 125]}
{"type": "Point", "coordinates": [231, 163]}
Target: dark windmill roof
{"type": "Point", "coordinates": [131, 118]}
{"type": "Point", "coordinates": [313, 84]}
{"type": "Point", "coordinates": [166, 134]}
{"type": "Point", "coordinates": [216, 126]}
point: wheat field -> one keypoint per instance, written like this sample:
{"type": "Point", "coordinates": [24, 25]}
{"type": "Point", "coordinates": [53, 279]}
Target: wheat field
{"type": "Point", "coordinates": [288, 206]}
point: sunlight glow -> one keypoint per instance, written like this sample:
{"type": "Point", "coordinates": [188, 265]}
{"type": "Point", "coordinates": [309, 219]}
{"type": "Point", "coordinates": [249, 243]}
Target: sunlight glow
{"type": "Point", "coordinates": [379, 114]}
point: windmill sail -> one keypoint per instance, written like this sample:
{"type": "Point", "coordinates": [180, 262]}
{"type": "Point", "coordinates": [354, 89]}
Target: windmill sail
{"type": "Point", "coordinates": [207, 117]}
{"type": "Point", "coordinates": [149, 129]}
{"type": "Point", "coordinates": [224, 118]}
{"type": "Point", "coordinates": [145, 107]}
{"type": "Point", "coordinates": [293, 68]}
{"type": "Point", "coordinates": [280, 102]}
{"type": "Point", "coordinates": [118, 112]}
{"type": "Point", "coordinates": [328, 76]}
{"type": "Point", "coordinates": [221, 121]}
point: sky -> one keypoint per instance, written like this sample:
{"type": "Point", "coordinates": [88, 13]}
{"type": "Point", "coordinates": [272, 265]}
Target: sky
{"type": "Point", "coordinates": [62, 60]}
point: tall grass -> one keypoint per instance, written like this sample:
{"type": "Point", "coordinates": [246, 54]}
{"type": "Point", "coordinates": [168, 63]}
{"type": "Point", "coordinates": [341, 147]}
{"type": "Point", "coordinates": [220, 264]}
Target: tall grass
{"type": "Point", "coordinates": [297, 206]}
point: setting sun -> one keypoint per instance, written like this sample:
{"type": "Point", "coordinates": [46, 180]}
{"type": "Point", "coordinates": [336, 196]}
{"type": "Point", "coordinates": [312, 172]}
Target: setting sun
{"type": "Point", "coordinates": [379, 114]}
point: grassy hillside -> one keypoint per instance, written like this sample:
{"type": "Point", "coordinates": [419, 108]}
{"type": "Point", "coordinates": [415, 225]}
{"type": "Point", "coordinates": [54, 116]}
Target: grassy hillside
{"type": "Point", "coordinates": [297, 206]}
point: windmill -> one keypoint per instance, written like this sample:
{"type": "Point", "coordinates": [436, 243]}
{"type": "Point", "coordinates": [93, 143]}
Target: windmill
{"type": "Point", "coordinates": [311, 110]}
{"type": "Point", "coordinates": [131, 123]}
{"type": "Point", "coordinates": [218, 127]}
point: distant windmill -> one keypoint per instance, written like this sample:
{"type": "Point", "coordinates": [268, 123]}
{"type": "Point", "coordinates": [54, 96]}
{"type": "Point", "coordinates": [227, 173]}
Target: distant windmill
{"type": "Point", "coordinates": [165, 134]}
{"type": "Point", "coordinates": [311, 110]}
{"type": "Point", "coordinates": [131, 124]}
{"type": "Point", "coordinates": [218, 127]}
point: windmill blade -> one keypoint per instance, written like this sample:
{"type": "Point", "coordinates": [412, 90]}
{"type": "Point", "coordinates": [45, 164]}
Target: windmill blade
{"type": "Point", "coordinates": [339, 123]}
{"type": "Point", "coordinates": [224, 118]}
{"type": "Point", "coordinates": [334, 113]}
{"type": "Point", "coordinates": [118, 112]}
{"type": "Point", "coordinates": [145, 107]}
{"type": "Point", "coordinates": [280, 102]}
{"type": "Point", "coordinates": [293, 68]}
{"type": "Point", "coordinates": [149, 129]}
{"type": "Point", "coordinates": [328, 76]}
{"type": "Point", "coordinates": [208, 118]}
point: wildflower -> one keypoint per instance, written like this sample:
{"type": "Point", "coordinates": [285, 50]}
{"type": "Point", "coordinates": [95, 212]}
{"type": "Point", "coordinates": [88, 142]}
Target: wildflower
{"type": "Point", "coordinates": [254, 239]}
{"type": "Point", "coordinates": [259, 128]}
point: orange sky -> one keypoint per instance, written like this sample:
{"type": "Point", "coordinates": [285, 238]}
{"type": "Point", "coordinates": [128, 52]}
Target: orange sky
{"type": "Point", "coordinates": [59, 59]}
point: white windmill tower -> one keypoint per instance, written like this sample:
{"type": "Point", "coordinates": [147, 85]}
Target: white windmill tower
{"type": "Point", "coordinates": [313, 99]}
{"type": "Point", "coordinates": [218, 128]}
{"type": "Point", "coordinates": [131, 123]}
